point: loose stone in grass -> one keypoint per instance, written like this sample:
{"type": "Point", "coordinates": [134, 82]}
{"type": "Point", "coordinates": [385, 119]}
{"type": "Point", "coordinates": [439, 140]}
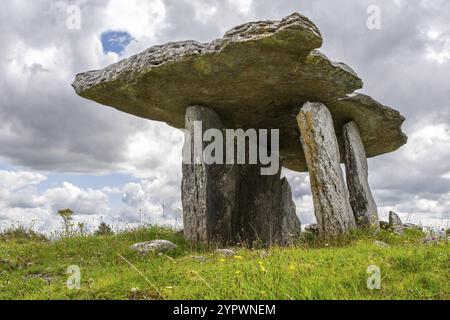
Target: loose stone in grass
{"type": "Point", "coordinates": [226, 252]}
{"type": "Point", "coordinates": [155, 246]}
{"type": "Point", "coordinates": [199, 258]}
{"type": "Point", "coordinates": [395, 223]}
{"type": "Point", "coordinates": [381, 244]}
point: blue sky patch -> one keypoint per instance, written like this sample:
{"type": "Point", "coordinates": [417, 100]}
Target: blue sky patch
{"type": "Point", "coordinates": [115, 41]}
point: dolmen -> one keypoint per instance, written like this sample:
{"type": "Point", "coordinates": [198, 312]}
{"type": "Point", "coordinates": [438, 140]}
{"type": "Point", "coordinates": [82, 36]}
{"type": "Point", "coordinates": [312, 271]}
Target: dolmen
{"type": "Point", "coordinates": [259, 99]}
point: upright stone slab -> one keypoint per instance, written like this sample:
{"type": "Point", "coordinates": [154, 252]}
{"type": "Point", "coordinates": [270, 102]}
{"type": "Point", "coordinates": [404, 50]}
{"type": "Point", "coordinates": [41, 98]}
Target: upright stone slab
{"type": "Point", "coordinates": [395, 223]}
{"type": "Point", "coordinates": [208, 191]}
{"type": "Point", "coordinates": [331, 204]}
{"type": "Point", "coordinates": [290, 223]}
{"type": "Point", "coordinates": [229, 204]}
{"type": "Point", "coordinates": [267, 213]}
{"type": "Point", "coordinates": [361, 199]}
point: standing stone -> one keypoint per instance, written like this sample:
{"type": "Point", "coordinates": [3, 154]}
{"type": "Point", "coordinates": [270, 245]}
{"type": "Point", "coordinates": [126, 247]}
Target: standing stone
{"type": "Point", "coordinates": [208, 191]}
{"type": "Point", "coordinates": [331, 203]}
{"type": "Point", "coordinates": [267, 213]}
{"type": "Point", "coordinates": [229, 204]}
{"type": "Point", "coordinates": [290, 223]}
{"type": "Point", "coordinates": [395, 223]}
{"type": "Point", "coordinates": [361, 199]}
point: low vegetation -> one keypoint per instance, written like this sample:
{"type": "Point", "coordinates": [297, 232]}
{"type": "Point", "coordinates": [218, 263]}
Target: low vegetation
{"type": "Point", "coordinates": [32, 267]}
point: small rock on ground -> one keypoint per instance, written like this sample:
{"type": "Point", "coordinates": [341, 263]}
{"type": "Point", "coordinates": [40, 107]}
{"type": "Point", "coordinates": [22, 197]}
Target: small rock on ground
{"type": "Point", "coordinates": [263, 254]}
{"type": "Point", "coordinates": [199, 258]}
{"type": "Point", "coordinates": [381, 244]}
{"type": "Point", "coordinates": [154, 246]}
{"type": "Point", "coordinates": [226, 252]}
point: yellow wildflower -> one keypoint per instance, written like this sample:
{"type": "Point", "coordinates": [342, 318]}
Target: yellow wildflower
{"type": "Point", "coordinates": [222, 260]}
{"type": "Point", "coordinates": [238, 257]}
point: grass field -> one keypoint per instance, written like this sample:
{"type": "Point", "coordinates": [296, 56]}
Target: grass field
{"type": "Point", "coordinates": [33, 268]}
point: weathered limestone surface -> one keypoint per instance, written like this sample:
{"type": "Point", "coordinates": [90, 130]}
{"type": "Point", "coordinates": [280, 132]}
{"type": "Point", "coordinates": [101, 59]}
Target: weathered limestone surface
{"type": "Point", "coordinates": [331, 203]}
{"type": "Point", "coordinates": [233, 203]}
{"type": "Point", "coordinates": [290, 223]}
{"type": "Point", "coordinates": [256, 76]}
{"type": "Point", "coordinates": [209, 192]}
{"type": "Point", "coordinates": [395, 223]}
{"type": "Point", "coordinates": [154, 246]}
{"type": "Point", "coordinates": [361, 199]}
{"type": "Point", "coordinates": [267, 213]}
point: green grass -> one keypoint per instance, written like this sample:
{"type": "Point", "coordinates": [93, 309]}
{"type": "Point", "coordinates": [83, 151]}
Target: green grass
{"type": "Point", "coordinates": [32, 268]}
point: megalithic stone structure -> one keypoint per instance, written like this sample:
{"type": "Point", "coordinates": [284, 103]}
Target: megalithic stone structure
{"type": "Point", "coordinates": [357, 172]}
{"type": "Point", "coordinates": [231, 203]}
{"type": "Point", "coordinates": [331, 203]}
{"type": "Point", "coordinates": [258, 75]}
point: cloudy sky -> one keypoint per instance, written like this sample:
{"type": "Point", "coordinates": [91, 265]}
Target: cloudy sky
{"type": "Point", "coordinates": [58, 150]}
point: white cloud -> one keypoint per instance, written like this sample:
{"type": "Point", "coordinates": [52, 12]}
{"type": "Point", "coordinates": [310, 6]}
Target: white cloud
{"type": "Point", "coordinates": [154, 150]}
{"type": "Point", "coordinates": [81, 201]}
{"type": "Point", "coordinates": [24, 60]}
{"type": "Point", "coordinates": [439, 55]}
{"type": "Point", "coordinates": [15, 180]}
{"type": "Point", "coordinates": [301, 192]}
{"type": "Point", "coordinates": [428, 144]}
{"type": "Point", "coordinates": [141, 18]}
{"type": "Point", "coordinates": [437, 43]}
{"type": "Point", "coordinates": [204, 11]}
{"type": "Point", "coordinates": [243, 6]}
{"type": "Point", "coordinates": [157, 200]}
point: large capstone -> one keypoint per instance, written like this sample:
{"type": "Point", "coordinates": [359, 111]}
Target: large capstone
{"type": "Point", "coordinates": [361, 199]}
{"type": "Point", "coordinates": [256, 76]}
{"type": "Point", "coordinates": [331, 203]}
{"type": "Point", "coordinates": [229, 204]}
